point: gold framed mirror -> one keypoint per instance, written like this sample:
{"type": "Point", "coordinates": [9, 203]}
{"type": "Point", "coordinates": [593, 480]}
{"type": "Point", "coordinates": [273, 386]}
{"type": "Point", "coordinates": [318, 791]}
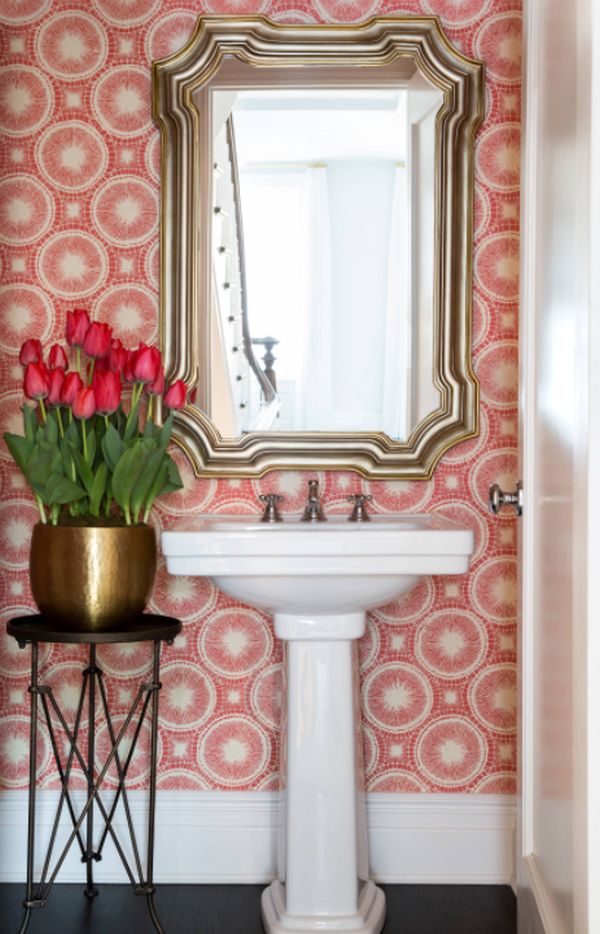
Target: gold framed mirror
{"type": "Point", "coordinates": [317, 203]}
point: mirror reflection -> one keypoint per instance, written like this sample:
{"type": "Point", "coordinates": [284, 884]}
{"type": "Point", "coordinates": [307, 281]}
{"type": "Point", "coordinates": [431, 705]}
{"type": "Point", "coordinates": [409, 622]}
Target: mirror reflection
{"type": "Point", "coordinates": [323, 242]}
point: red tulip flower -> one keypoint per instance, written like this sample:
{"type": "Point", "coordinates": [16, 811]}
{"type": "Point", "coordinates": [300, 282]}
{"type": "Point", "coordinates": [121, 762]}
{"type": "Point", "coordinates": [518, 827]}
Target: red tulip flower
{"type": "Point", "coordinates": [84, 404]}
{"type": "Point", "coordinates": [117, 356]}
{"type": "Point", "coordinates": [58, 357]}
{"type": "Point", "coordinates": [97, 339]}
{"type": "Point", "coordinates": [57, 378]}
{"type": "Point", "coordinates": [78, 322]}
{"type": "Point", "coordinates": [158, 386]}
{"type": "Point", "coordinates": [145, 364]}
{"type": "Point", "coordinates": [71, 385]}
{"type": "Point", "coordinates": [31, 352]}
{"type": "Point", "coordinates": [107, 391]}
{"type": "Point", "coordinates": [123, 416]}
{"type": "Point", "coordinates": [176, 395]}
{"type": "Point", "coordinates": [36, 384]}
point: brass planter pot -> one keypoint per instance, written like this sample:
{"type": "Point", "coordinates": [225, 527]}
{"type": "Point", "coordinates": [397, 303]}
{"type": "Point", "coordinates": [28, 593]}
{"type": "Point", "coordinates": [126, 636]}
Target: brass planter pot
{"type": "Point", "coordinates": [92, 578]}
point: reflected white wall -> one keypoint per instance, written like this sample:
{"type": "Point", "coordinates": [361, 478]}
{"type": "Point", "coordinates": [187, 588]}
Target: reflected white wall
{"type": "Point", "coordinates": [360, 197]}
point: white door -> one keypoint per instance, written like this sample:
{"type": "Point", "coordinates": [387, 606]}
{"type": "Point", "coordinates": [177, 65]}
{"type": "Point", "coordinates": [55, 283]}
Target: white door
{"type": "Point", "coordinates": [557, 862]}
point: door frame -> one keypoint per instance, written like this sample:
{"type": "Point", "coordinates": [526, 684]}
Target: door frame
{"type": "Point", "coordinates": [581, 53]}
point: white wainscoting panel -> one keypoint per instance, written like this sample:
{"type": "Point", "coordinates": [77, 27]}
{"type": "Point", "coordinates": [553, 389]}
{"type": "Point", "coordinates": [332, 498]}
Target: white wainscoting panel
{"type": "Point", "coordinates": [229, 837]}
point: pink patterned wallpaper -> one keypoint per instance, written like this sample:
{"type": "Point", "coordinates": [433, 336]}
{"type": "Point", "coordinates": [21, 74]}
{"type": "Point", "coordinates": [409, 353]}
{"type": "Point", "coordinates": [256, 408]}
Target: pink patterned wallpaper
{"type": "Point", "coordinates": [79, 227]}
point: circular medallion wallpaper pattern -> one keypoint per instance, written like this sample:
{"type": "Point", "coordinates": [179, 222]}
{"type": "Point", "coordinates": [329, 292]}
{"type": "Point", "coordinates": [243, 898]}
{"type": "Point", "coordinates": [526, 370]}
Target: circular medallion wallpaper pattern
{"type": "Point", "coordinates": [79, 210]}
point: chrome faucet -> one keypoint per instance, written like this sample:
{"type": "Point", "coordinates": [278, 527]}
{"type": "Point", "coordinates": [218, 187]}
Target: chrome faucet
{"type": "Point", "coordinates": [359, 512]}
{"type": "Point", "coordinates": [271, 513]}
{"type": "Point", "coordinates": [313, 511]}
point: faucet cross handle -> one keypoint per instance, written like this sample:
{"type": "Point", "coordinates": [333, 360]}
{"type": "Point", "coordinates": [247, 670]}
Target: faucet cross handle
{"type": "Point", "coordinates": [271, 513]}
{"type": "Point", "coordinates": [359, 513]}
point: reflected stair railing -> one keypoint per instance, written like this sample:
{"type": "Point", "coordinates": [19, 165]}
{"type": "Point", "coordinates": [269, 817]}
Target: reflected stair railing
{"type": "Point", "coordinates": [229, 261]}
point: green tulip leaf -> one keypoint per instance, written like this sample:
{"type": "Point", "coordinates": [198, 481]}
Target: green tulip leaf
{"type": "Point", "coordinates": [126, 474]}
{"type": "Point", "coordinates": [120, 420]}
{"type": "Point", "coordinates": [156, 487]}
{"type": "Point", "coordinates": [167, 428]}
{"type": "Point", "coordinates": [98, 489]}
{"type": "Point", "coordinates": [100, 429]}
{"type": "Point", "coordinates": [91, 446]}
{"type": "Point", "coordinates": [51, 454]}
{"type": "Point", "coordinates": [174, 475]}
{"type": "Point", "coordinates": [149, 431]}
{"type": "Point", "coordinates": [40, 467]}
{"type": "Point", "coordinates": [146, 481]}
{"type": "Point", "coordinates": [30, 423]}
{"type": "Point", "coordinates": [84, 471]}
{"type": "Point", "coordinates": [131, 425]}
{"type": "Point", "coordinates": [50, 431]}
{"type": "Point", "coordinates": [73, 435]}
{"type": "Point", "coordinates": [68, 461]}
{"type": "Point", "coordinates": [62, 490]}
{"type": "Point", "coordinates": [20, 448]}
{"type": "Point", "coordinates": [167, 480]}
{"type": "Point", "coordinates": [167, 487]}
{"type": "Point", "coordinates": [112, 447]}
{"type": "Point", "coordinates": [108, 495]}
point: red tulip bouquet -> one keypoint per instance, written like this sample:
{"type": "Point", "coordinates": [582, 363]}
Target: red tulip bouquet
{"type": "Point", "coordinates": [91, 450]}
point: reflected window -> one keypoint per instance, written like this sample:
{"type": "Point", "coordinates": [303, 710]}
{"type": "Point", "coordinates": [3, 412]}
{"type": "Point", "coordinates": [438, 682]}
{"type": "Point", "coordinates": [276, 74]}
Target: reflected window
{"type": "Point", "coordinates": [274, 210]}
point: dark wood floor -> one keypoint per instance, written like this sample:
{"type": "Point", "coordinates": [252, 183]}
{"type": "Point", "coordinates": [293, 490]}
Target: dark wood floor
{"type": "Point", "coordinates": [234, 909]}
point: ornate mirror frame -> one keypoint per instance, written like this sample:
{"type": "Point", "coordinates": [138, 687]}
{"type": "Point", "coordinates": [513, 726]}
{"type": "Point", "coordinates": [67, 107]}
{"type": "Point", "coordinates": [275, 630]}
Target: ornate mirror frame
{"type": "Point", "coordinates": [184, 278]}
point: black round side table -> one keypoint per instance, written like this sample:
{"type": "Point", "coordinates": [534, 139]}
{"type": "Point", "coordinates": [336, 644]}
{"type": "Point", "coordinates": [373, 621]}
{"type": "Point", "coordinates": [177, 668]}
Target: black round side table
{"type": "Point", "coordinates": [33, 630]}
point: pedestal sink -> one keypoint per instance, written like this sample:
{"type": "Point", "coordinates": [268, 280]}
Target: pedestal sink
{"type": "Point", "coordinates": [318, 580]}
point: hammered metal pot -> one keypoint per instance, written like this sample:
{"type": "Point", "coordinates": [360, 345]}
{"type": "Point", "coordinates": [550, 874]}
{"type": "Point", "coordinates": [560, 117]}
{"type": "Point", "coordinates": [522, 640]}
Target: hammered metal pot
{"type": "Point", "coordinates": [87, 579]}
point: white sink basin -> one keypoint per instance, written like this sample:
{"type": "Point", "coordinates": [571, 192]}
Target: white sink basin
{"type": "Point", "coordinates": [327, 568]}
{"type": "Point", "coordinates": [319, 579]}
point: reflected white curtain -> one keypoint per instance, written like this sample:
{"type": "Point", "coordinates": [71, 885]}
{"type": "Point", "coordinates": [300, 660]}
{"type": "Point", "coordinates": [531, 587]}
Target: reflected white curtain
{"type": "Point", "coordinates": [314, 396]}
{"type": "Point", "coordinates": [396, 374]}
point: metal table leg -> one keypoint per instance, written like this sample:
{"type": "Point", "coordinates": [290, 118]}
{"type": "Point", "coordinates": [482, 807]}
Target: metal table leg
{"type": "Point", "coordinates": [90, 890]}
{"type": "Point", "coordinates": [147, 695]}
{"type": "Point", "coordinates": [156, 686]}
{"type": "Point", "coordinates": [30, 902]}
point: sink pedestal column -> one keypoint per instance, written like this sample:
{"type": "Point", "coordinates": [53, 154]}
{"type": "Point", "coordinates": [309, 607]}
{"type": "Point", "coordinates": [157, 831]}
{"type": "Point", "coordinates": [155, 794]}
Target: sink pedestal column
{"type": "Point", "coordinates": [323, 861]}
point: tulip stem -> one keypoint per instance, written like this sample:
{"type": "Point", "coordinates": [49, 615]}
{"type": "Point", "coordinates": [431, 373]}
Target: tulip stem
{"type": "Point", "coordinates": [149, 412]}
{"type": "Point", "coordinates": [60, 422]}
{"type": "Point", "coordinates": [91, 371]}
{"type": "Point", "coordinates": [43, 411]}
{"type": "Point", "coordinates": [78, 359]}
{"type": "Point", "coordinates": [135, 398]}
{"type": "Point", "coordinates": [84, 436]}
{"type": "Point", "coordinates": [40, 506]}
{"type": "Point", "coordinates": [106, 422]}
